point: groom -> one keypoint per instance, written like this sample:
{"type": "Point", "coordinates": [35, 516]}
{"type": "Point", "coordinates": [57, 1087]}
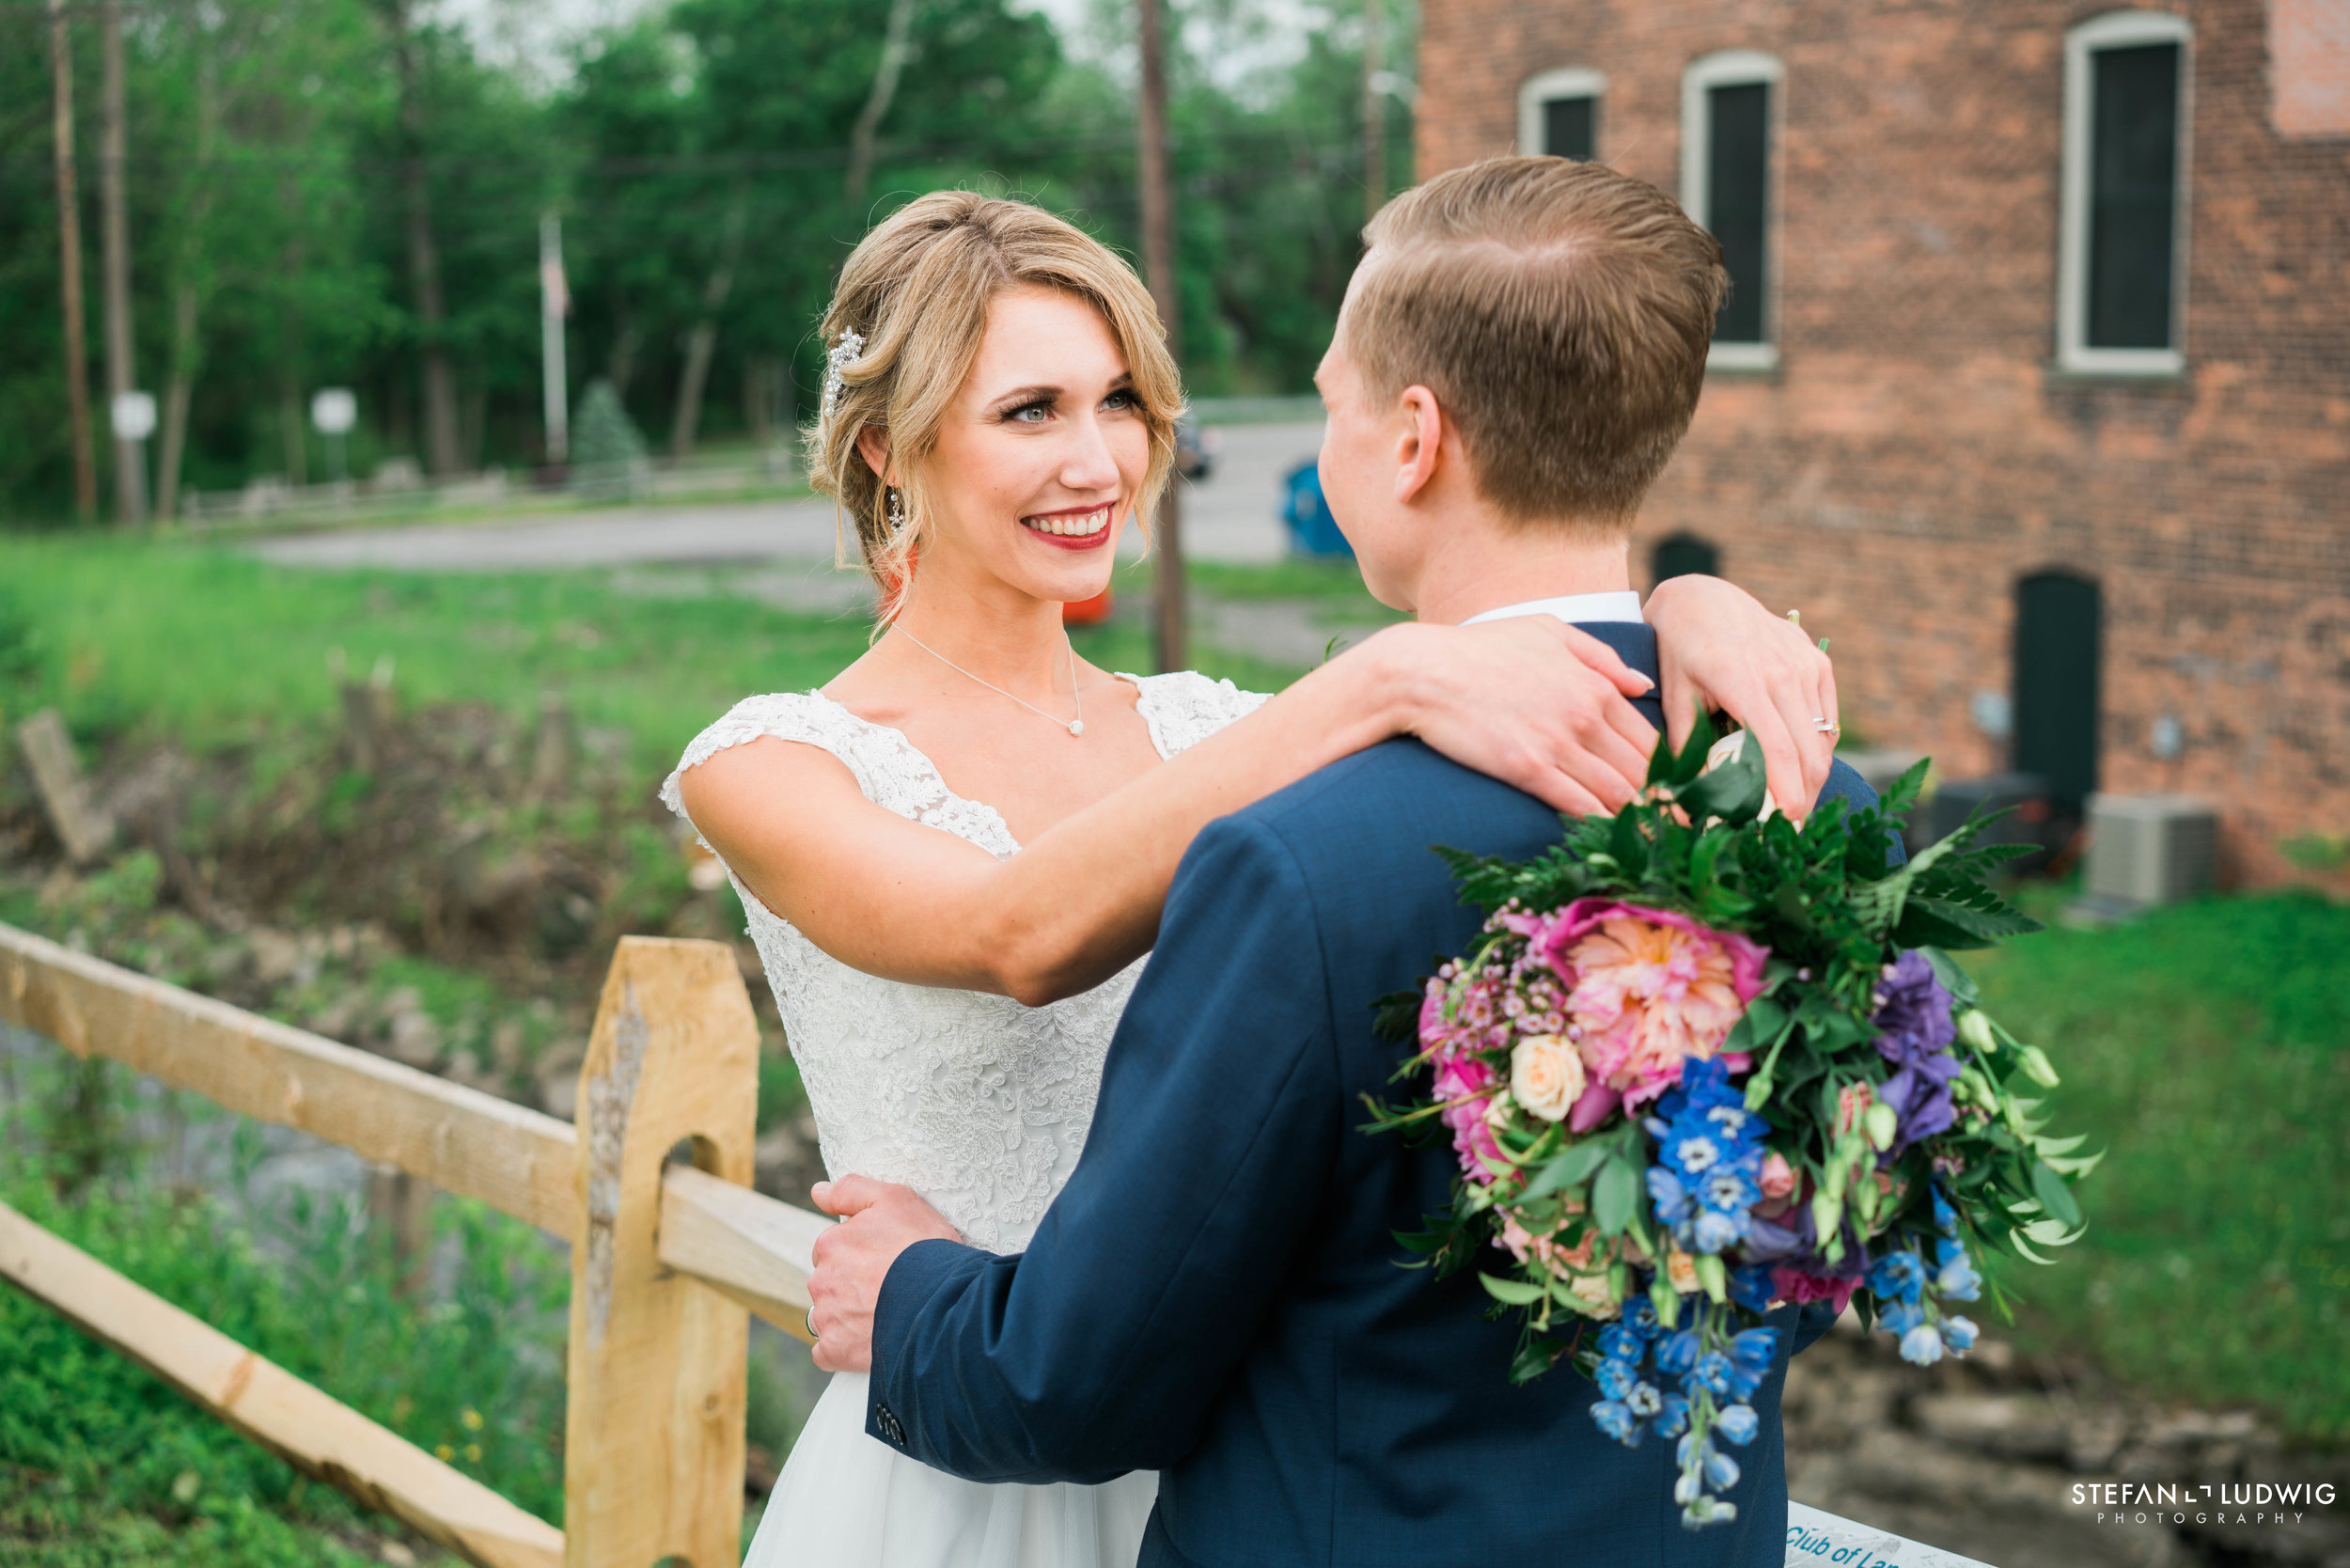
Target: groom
{"type": "Point", "coordinates": [1215, 1295]}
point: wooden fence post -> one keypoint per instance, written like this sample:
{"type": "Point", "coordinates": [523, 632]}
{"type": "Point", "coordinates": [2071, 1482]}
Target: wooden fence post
{"type": "Point", "coordinates": [653, 1448]}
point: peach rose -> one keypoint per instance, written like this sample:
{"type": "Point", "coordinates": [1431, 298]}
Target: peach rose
{"type": "Point", "coordinates": [1546, 1075]}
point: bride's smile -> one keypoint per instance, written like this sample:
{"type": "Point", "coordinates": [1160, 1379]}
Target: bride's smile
{"type": "Point", "coordinates": [1079, 529]}
{"type": "Point", "coordinates": [1037, 462]}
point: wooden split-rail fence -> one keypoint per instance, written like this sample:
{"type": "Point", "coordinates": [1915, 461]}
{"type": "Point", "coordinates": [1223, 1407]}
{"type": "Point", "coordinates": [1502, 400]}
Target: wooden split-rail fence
{"type": "Point", "coordinates": [668, 1260]}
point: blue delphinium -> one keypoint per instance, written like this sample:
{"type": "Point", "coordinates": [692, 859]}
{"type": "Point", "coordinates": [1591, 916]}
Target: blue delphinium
{"type": "Point", "coordinates": [1751, 1357]}
{"type": "Point", "coordinates": [1677, 1353]}
{"type": "Point", "coordinates": [1922, 1345]}
{"type": "Point", "coordinates": [1709, 1173]}
{"type": "Point", "coordinates": [1898, 1277]}
{"type": "Point", "coordinates": [1687, 1375]}
{"type": "Point", "coordinates": [1615, 1418]}
{"type": "Point", "coordinates": [1954, 1272]}
{"type": "Point", "coordinates": [1751, 1287]}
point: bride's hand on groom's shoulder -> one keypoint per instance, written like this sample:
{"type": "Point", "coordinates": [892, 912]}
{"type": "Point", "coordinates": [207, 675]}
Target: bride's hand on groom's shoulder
{"type": "Point", "coordinates": [1529, 701]}
{"type": "Point", "coordinates": [1717, 645]}
{"type": "Point", "coordinates": [878, 1220]}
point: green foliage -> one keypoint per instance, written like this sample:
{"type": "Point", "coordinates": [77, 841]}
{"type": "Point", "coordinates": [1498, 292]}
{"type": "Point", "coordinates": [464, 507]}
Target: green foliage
{"type": "Point", "coordinates": [2206, 1050]}
{"type": "Point", "coordinates": [699, 154]}
{"type": "Point", "coordinates": [88, 1441]}
{"type": "Point", "coordinates": [607, 451]}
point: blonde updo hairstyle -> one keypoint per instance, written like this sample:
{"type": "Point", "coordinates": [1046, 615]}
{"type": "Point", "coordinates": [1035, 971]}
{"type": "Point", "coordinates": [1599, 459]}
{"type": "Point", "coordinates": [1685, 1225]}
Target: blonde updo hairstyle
{"type": "Point", "coordinates": [917, 290]}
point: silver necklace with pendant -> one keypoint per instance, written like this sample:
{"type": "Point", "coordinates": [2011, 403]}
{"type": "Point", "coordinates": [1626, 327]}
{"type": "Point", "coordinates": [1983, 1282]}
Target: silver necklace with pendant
{"type": "Point", "coordinates": [1075, 725]}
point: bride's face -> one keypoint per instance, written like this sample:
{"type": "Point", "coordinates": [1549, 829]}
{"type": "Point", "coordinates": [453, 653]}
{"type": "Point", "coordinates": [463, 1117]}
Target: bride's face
{"type": "Point", "coordinates": [1041, 458]}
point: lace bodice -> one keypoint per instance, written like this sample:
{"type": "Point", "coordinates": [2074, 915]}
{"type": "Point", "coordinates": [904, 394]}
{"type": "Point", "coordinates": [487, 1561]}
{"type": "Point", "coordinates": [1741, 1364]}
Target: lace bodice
{"type": "Point", "coordinates": [979, 1104]}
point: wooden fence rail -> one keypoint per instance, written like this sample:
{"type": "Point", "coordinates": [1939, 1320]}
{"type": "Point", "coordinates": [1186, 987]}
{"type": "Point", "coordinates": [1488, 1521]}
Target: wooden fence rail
{"type": "Point", "coordinates": [667, 1259]}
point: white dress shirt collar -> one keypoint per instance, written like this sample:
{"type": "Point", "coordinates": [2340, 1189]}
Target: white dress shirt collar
{"type": "Point", "coordinates": [1574, 607]}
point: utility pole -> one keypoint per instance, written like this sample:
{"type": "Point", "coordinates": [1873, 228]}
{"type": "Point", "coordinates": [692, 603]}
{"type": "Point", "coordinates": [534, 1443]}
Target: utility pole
{"type": "Point", "coordinates": [70, 266]}
{"type": "Point", "coordinates": [1158, 260]}
{"type": "Point", "coordinates": [555, 303]}
{"type": "Point", "coordinates": [1375, 109]}
{"type": "Point", "coordinates": [121, 370]}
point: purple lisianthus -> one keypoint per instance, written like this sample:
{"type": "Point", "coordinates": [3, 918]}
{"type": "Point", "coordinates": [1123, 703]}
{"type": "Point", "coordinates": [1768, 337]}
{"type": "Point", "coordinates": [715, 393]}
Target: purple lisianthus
{"type": "Point", "coordinates": [1919, 1095]}
{"type": "Point", "coordinates": [1914, 1034]}
{"type": "Point", "coordinates": [1913, 1011]}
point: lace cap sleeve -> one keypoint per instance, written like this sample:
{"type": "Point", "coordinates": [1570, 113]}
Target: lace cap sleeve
{"type": "Point", "coordinates": [1184, 708]}
{"type": "Point", "coordinates": [787, 716]}
{"type": "Point", "coordinates": [888, 770]}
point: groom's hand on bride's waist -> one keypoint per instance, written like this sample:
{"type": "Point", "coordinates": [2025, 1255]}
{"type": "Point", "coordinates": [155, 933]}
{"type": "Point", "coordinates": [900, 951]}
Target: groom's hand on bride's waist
{"type": "Point", "coordinates": [878, 1220]}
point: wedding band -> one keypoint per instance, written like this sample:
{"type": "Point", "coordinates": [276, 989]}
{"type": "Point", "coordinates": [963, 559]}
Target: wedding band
{"type": "Point", "coordinates": [1827, 727]}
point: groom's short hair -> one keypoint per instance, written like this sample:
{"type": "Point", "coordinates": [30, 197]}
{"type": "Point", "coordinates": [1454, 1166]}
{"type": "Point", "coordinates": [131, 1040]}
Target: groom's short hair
{"type": "Point", "coordinates": [1560, 312]}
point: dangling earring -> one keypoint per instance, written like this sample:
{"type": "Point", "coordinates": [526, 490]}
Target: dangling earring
{"type": "Point", "coordinates": [896, 511]}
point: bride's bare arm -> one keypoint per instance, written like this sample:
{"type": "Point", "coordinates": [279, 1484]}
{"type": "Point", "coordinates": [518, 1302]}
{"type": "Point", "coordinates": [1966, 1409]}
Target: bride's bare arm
{"type": "Point", "coordinates": [1529, 701]}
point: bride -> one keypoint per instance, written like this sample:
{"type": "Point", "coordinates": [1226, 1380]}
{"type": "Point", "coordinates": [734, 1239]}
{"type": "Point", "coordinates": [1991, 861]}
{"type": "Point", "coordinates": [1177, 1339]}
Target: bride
{"type": "Point", "coordinates": [953, 855]}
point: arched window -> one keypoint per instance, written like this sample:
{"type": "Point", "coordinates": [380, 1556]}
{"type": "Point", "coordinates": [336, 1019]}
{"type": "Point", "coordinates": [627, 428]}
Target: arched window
{"type": "Point", "coordinates": [1729, 116]}
{"type": "Point", "coordinates": [2122, 273]}
{"type": "Point", "coordinates": [1684, 556]}
{"type": "Point", "coordinates": [1558, 114]}
{"type": "Point", "coordinates": [2058, 651]}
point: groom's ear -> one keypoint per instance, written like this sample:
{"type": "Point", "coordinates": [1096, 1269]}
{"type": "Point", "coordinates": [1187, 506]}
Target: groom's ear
{"type": "Point", "coordinates": [1420, 439]}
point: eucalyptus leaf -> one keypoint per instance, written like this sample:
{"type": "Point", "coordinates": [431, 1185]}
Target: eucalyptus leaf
{"type": "Point", "coordinates": [2054, 1194]}
{"type": "Point", "coordinates": [1614, 1196]}
{"type": "Point", "coordinates": [1513, 1292]}
{"type": "Point", "coordinates": [1571, 1168]}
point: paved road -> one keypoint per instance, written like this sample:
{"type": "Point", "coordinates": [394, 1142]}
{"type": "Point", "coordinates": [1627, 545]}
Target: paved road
{"type": "Point", "coordinates": [1233, 516]}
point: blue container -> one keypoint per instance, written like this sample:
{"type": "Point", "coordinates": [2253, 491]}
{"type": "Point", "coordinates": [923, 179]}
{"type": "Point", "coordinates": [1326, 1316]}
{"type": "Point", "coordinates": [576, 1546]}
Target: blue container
{"type": "Point", "coordinates": [1312, 530]}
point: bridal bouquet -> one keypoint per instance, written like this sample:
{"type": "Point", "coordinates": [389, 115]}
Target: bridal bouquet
{"type": "Point", "coordinates": [1701, 1062]}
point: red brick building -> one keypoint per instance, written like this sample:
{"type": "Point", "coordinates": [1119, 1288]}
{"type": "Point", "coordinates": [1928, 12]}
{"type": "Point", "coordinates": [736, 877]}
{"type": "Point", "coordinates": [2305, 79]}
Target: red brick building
{"type": "Point", "coordinates": [2035, 390]}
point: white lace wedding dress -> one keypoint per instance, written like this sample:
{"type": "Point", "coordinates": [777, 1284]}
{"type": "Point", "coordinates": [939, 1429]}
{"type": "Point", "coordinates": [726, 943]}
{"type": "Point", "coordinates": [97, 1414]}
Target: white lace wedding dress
{"type": "Point", "coordinates": [976, 1103]}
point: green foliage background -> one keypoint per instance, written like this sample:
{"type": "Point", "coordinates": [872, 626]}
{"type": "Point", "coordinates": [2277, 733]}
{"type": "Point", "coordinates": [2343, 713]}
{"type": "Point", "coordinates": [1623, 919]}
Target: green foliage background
{"type": "Point", "coordinates": [658, 139]}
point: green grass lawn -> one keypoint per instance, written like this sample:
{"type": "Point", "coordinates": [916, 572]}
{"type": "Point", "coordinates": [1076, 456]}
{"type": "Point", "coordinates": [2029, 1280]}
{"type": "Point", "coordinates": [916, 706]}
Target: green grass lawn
{"type": "Point", "coordinates": [2206, 1047]}
{"type": "Point", "coordinates": [212, 646]}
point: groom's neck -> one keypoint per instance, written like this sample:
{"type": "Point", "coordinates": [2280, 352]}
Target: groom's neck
{"type": "Point", "coordinates": [1486, 563]}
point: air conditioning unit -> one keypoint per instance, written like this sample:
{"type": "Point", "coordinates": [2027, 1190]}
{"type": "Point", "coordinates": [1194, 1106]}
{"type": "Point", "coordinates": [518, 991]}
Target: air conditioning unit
{"type": "Point", "coordinates": [2145, 850]}
{"type": "Point", "coordinates": [2024, 798]}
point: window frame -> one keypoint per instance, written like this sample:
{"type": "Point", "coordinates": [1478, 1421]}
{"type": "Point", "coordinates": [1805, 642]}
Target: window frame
{"type": "Point", "coordinates": [2117, 30]}
{"type": "Point", "coordinates": [1735, 68]}
{"type": "Point", "coordinates": [1564, 82]}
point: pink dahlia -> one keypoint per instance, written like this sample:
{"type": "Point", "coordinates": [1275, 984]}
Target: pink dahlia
{"type": "Point", "coordinates": [1647, 989]}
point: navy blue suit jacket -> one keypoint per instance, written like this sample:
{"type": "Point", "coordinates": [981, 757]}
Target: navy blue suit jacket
{"type": "Point", "coordinates": [1216, 1293]}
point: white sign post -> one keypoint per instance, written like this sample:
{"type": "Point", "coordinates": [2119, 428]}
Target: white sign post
{"type": "Point", "coordinates": [334, 410]}
{"type": "Point", "coordinates": [133, 417]}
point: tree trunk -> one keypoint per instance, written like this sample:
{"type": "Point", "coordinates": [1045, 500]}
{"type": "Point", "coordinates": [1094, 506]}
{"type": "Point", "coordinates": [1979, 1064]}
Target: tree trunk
{"type": "Point", "coordinates": [621, 366]}
{"type": "Point", "coordinates": [704, 337]}
{"type": "Point", "coordinates": [1158, 259]}
{"type": "Point", "coordinates": [893, 60]}
{"type": "Point", "coordinates": [122, 366]}
{"type": "Point", "coordinates": [1375, 110]}
{"type": "Point", "coordinates": [70, 267]}
{"type": "Point", "coordinates": [290, 428]}
{"type": "Point", "coordinates": [424, 258]}
{"type": "Point", "coordinates": [186, 348]}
